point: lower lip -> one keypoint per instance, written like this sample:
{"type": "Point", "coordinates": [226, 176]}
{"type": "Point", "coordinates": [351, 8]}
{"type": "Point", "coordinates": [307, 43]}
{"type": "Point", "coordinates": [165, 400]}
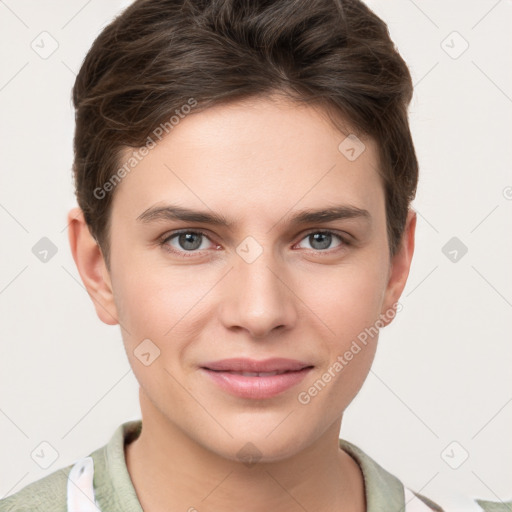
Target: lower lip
{"type": "Point", "coordinates": [256, 387]}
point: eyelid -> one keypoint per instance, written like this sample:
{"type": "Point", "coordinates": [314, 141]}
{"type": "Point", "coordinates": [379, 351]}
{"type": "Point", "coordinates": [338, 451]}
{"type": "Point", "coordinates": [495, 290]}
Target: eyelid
{"type": "Point", "coordinates": [345, 240]}
{"type": "Point", "coordinates": [342, 235]}
{"type": "Point", "coordinates": [170, 235]}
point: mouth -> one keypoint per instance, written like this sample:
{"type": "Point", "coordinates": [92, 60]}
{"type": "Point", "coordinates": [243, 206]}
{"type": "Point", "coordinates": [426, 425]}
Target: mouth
{"type": "Point", "coordinates": [257, 374]}
{"type": "Point", "coordinates": [266, 366]}
{"type": "Point", "coordinates": [247, 379]}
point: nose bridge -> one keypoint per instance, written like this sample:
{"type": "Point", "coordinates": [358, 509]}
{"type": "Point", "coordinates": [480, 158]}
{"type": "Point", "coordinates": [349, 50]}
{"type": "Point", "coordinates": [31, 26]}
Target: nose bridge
{"type": "Point", "coordinates": [259, 300]}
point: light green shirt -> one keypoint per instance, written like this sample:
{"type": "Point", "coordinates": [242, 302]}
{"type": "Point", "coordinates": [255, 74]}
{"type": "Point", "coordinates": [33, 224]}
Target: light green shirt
{"type": "Point", "coordinates": [114, 491]}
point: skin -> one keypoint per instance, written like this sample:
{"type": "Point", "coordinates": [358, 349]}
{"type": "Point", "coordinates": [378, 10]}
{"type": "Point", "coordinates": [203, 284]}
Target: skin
{"type": "Point", "coordinates": [256, 162]}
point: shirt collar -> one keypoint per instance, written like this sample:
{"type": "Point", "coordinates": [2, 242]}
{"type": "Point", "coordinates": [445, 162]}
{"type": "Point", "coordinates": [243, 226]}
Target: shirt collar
{"type": "Point", "coordinates": [115, 491]}
{"type": "Point", "coordinates": [383, 491]}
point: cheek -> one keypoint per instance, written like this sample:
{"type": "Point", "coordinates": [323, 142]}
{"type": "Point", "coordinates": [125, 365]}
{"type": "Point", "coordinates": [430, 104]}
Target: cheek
{"type": "Point", "coordinates": [151, 294]}
{"type": "Point", "coordinates": [170, 308]}
{"type": "Point", "coordinates": [349, 304]}
{"type": "Point", "coordinates": [155, 304]}
{"type": "Point", "coordinates": [347, 299]}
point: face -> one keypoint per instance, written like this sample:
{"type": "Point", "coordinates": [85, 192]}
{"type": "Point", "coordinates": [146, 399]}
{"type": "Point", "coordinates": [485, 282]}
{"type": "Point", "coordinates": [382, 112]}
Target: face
{"type": "Point", "coordinates": [267, 282]}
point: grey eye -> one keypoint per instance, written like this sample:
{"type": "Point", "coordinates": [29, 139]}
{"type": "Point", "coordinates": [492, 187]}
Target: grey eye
{"type": "Point", "coordinates": [187, 241]}
{"type": "Point", "coordinates": [321, 240]}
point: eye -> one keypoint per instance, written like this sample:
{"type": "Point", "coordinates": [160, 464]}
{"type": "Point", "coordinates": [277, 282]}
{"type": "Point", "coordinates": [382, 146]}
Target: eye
{"type": "Point", "coordinates": [322, 240]}
{"type": "Point", "coordinates": [188, 243]}
{"type": "Point", "coordinates": [182, 242]}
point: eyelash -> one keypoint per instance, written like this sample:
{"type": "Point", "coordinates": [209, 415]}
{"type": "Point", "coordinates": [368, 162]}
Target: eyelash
{"type": "Point", "coordinates": [188, 254]}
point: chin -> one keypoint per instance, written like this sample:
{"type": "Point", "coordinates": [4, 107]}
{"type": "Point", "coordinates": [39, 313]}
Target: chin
{"type": "Point", "coordinates": [260, 447]}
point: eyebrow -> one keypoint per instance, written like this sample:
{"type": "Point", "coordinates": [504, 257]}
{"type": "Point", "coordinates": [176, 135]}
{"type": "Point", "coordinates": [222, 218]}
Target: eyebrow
{"type": "Point", "coordinates": [306, 216]}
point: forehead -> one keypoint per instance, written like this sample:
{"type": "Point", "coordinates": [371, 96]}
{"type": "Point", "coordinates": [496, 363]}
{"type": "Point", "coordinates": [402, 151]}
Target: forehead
{"type": "Point", "coordinates": [259, 155]}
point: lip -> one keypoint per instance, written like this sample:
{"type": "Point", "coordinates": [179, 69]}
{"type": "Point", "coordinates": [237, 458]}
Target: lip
{"type": "Point", "coordinates": [241, 364]}
{"type": "Point", "coordinates": [256, 387]}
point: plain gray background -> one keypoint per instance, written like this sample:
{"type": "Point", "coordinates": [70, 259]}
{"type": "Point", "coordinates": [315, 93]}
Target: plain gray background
{"type": "Point", "coordinates": [440, 388]}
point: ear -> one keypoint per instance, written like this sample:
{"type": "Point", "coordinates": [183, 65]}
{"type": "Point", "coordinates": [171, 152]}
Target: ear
{"type": "Point", "coordinates": [399, 269]}
{"type": "Point", "coordinates": [91, 267]}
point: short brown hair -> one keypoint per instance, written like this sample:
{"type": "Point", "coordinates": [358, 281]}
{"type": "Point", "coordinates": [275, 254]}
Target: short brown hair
{"type": "Point", "coordinates": [157, 55]}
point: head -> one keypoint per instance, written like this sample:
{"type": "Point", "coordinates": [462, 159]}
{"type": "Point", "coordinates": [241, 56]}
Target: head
{"type": "Point", "coordinates": [255, 115]}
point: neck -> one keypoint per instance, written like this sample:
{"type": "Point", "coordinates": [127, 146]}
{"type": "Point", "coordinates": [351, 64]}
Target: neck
{"type": "Point", "coordinates": [171, 471]}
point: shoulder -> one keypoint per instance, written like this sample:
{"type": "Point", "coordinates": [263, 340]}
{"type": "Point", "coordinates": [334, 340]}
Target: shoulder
{"type": "Point", "coordinates": [48, 493]}
{"type": "Point", "coordinates": [495, 506]}
{"type": "Point", "coordinates": [384, 491]}
{"type": "Point", "coordinates": [452, 502]}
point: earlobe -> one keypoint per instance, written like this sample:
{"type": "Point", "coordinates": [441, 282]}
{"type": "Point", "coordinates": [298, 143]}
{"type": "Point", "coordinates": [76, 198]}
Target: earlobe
{"type": "Point", "coordinates": [91, 267]}
{"type": "Point", "coordinates": [399, 269]}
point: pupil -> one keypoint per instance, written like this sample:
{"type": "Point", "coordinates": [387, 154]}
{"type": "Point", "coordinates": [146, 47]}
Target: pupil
{"type": "Point", "coordinates": [317, 237]}
{"type": "Point", "coordinates": [187, 240]}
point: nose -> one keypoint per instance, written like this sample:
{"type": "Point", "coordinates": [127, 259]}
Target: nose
{"type": "Point", "coordinates": [258, 297]}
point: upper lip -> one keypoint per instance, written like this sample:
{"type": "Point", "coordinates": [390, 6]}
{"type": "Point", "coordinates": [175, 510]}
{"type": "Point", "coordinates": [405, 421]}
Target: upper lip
{"type": "Point", "coordinates": [239, 364]}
